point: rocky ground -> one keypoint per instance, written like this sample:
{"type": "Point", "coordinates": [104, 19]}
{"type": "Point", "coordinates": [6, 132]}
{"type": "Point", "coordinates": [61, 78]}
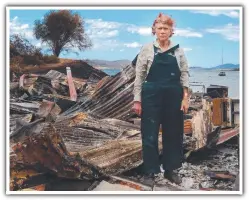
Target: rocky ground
{"type": "Point", "coordinates": [196, 172]}
{"type": "Point", "coordinates": [208, 169]}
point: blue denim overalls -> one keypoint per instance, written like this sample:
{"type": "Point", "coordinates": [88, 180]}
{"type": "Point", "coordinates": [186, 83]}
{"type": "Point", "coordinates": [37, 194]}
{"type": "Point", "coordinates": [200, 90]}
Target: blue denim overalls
{"type": "Point", "coordinates": [162, 94]}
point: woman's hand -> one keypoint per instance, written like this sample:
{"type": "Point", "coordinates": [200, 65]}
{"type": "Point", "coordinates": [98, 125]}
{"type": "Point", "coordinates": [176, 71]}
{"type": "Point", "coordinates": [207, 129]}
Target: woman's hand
{"type": "Point", "coordinates": [137, 108]}
{"type": "Point", "coordinates": [185, 105]}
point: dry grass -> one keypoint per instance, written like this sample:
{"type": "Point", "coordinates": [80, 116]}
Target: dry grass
{"type": "Point", "coordinates": [37, 68]}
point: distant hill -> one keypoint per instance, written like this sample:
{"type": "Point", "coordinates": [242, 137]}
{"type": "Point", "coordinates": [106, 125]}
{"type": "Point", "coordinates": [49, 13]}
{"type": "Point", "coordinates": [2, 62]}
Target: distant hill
{"type": "Point", "coordinates": [117, 64]}
{"type": "Point", "coordinates": [226, 66]}
{"type": "Point", "coordinates": [195, 67]}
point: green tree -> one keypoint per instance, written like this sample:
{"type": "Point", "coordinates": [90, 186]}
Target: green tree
{"type": "Point", "coordinates": [62, 30]}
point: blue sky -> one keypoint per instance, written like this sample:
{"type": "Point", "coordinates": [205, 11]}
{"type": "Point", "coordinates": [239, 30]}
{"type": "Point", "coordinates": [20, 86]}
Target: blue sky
{"type": "Point", "coordinates": [119, 34]}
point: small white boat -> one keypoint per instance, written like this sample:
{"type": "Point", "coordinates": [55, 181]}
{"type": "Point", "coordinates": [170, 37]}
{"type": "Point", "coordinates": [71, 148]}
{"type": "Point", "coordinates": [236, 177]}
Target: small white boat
{"type": "Point", "coordinates": [222, 74]}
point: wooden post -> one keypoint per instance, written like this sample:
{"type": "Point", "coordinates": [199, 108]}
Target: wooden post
{"type": "Point", "coordinates": [73, 94]}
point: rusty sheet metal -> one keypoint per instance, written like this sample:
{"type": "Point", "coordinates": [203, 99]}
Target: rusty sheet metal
{"type": "Point", "coordinates": [130, 183]}
{"type": "Point", "coordinates": [45, 108]}
{"type": "Point", "coordinates": [40, 187]}
{"type": "Point", "coordinates": [26, 80]}
{"type": "Point", "coordinates": [101, 83]}
{"type": "Point", "coordinates": [23, 173]}
{"type": "Point", "coordinates": [53, 74]}
{"type": "Point", "coordinates": [13, 86]}
{"type": "Point", "coordinates": [82, 131]}
{"type": "Point", "coordinates": [227, 113]}
{"type": "Point", "coordinates": [187, 127]}
{"type": "Point", "coordinates": [86, 143]}
{"type": "Point", "coordinates": [236, 111]}
{"type": "Point", "coordinates": [15, 120]}
{"type": "Point", "coordinates": [60, 78]}
{"type": "Point", "coordinates": [217, 111]}
{"type": "Point", "coordinates": [25, 177]}
{"type": "Point", "coordinates": [202, 124]}
{"type": "Point", "coordinates": [114, 99]}
{"type": "Point", "coordinates": [48, 110]}
{"type": "Point", "coordinates": [24, 107]}
{"type": "Point", "coordinates": [220, 175]}
{"type": "Point", "coordinates": [227, 134]}
{"type": "Point", "coordinates": [115, 157]}
{"type": "Point", "coordinates": [60, 148]}
{"type": "Point", "coordinates": [47, 149]}
{"type": "Point", "coordinates": [63, 102]}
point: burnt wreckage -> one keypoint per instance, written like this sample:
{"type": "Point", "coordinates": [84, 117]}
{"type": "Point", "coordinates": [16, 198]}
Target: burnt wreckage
{"type": "Point", "coordinates": [85, 129]}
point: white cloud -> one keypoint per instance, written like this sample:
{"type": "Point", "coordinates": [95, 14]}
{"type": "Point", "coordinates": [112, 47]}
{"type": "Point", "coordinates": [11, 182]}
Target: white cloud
{"type": "Point", "coordinates": [41, 45]}
{"type": "Point", "coordinates": [187, 33]}
{"type": "Point", "coordinates": [105, 44]}
{"type": "Point", "coordinates": [94, 26]}
{"type": "Point", "coordinates": [15, 18]}
{"type": "Point", "coordinates": [104, 33]}
{"type": "Point", "coordinates": [229, 31]}
{"type": "Point", "coordinates": [146, 31]}
{"type": "Point", "coordinates": [100, 24]}
{"type": "Point", "coordinates": [38, 45]}
{"type": "Point", "coordinates": [139, 30]}
{"type": "Point", "coordinates": [112, 33]}
{"type": "Point", "coordinates": [18, 27]}
{"type": "Point", "coordinates": [29, 34]}
{"type": "Point", "coordinates": [24, 26]}
{"type": "Point", "coordinates": [228, 13]}
{"type": "Point", "coordinates": [97, 28]}
{"type": "Point", "coordinates": [187, 49]}
{"type": "Point", "coordinates": [21, 29]}
{"type": "Point", "coordinates": [132, 45]}
{"type": "Point", "coordinates": [13, 21]}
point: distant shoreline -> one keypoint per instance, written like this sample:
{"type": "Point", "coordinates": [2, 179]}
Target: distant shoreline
{"type": "Point", "coordinates": [213, 69]}
{"type": "Point", "coordinates": [108, 68]}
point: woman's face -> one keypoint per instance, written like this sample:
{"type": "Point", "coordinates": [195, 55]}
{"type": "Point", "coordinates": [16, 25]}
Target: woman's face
{"type": "Point", "coordinates": [163, 31]}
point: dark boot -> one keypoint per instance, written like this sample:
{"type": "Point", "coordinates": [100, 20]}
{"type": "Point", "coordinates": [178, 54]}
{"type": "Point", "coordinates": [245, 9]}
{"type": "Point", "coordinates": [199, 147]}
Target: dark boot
{"type": "Point", "coordinates": [148, 179]}
{"type": "Point", "coordinates": [173, 177]}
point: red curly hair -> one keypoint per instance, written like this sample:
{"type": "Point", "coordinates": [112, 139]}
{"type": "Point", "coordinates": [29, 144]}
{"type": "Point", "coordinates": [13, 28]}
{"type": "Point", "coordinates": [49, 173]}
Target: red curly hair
{"type": "Point", "coordinates": [164, 19]}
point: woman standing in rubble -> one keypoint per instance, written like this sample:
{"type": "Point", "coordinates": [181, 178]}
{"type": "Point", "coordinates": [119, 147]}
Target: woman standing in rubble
{"type": "Point", "coordinates": [161, 97]}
